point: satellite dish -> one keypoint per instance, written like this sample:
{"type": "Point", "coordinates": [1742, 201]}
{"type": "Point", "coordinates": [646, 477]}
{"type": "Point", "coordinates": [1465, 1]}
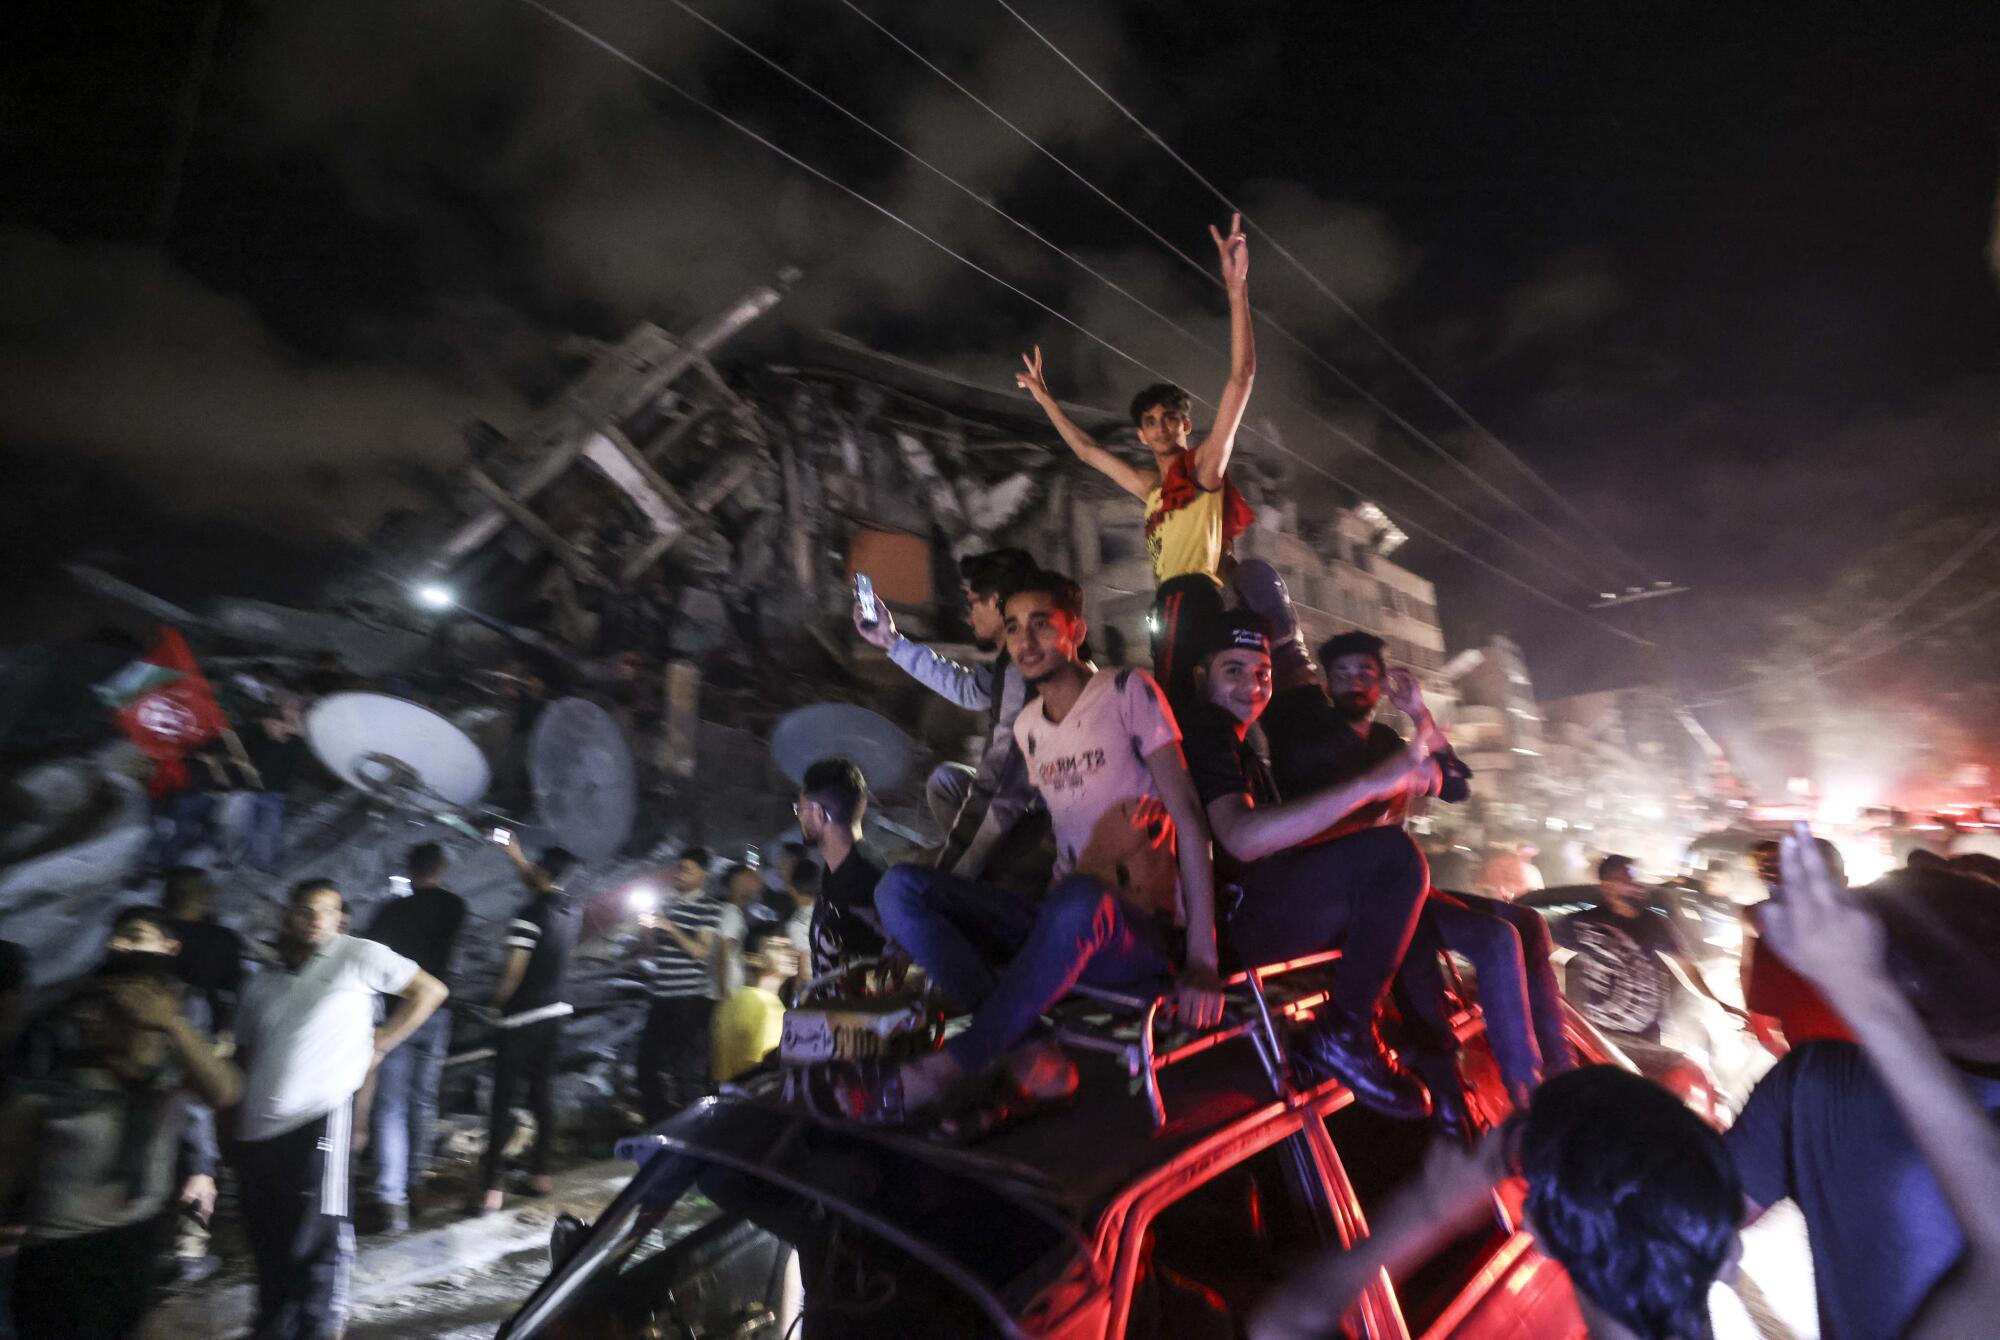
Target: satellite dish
{"type": "Point", "coordinates": [842, 730]}
{"type": "Point", "coordinates": [396, 751]}
{"type": "Point", "coordinates": [585, 792]}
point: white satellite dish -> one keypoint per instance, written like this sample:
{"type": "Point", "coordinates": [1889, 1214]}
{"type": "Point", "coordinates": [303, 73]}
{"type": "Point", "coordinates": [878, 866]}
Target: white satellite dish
{"type": "Point", "coordinates": [397, 751]}
{"type": "Point", "coordinates": [870, 741]}
{"type": "Point", "coordinates": [586, 793]}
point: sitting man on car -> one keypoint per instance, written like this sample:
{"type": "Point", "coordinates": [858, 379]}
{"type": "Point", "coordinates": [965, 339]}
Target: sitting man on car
{"type": "Point", "coordinates": [1325, 736]}
{"type": "Point", "coordinates": [1104, 751]}
{"type": "Point", "coordinates": [1300, 894]}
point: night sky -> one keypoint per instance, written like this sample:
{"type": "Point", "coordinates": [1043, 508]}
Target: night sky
{"type": "Point", "coordinates": [1725, 275]}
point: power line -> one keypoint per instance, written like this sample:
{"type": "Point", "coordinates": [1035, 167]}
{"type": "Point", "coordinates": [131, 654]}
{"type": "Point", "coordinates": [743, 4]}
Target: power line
{"type": "Point", "coordinates": [1380, 340]}
{"type": "Point", "coordinates": [1839, 664]}
{"type": "Point", "coordinates": [640, 67]}
{"type": "Point", "coordinates": [1112, 284]}
{"type": "Point", "coordinates": [1957, 560]}
{"type": "Point", "coordinates": [1262, 317]}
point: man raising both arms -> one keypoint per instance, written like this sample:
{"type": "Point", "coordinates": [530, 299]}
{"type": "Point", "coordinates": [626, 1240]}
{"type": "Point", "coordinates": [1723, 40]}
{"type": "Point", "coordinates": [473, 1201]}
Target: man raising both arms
{"type": "Point", "coordinates": [1192, 511]}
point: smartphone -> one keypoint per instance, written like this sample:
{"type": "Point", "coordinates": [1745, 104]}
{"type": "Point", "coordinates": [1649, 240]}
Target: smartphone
{"type": "Point", "coordinates": [864, 595]}
{"type": "Point", "coordinates": [500, 837]}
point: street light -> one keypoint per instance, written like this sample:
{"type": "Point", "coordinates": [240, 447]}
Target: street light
{"type": "Point", "coordinates": [435, 596]}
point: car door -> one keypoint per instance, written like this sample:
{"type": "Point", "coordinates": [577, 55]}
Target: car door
{"type": "Point", "coordinates": [1215, 1230]}
{"type": "Point", "coordinates": [1487, 1284]}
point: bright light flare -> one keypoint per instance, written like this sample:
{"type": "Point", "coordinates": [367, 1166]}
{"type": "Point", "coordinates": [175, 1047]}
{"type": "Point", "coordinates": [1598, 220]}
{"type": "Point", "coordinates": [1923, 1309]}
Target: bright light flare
{"type": "Point", "coordinates": [643, 900]}
{"type": "Point", "coordinates": [434, 596]}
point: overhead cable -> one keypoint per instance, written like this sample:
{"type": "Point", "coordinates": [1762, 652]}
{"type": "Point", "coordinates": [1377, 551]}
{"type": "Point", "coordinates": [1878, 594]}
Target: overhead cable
{"type": "Point", "coordinates": [1408, 364]}
{"type": "Point", "coordinates": [611, 49]}
{"type": "Point", "coordinates": [1208, 346]}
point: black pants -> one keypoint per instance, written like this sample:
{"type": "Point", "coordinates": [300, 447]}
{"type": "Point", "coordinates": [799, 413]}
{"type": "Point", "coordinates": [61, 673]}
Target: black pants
{"type": "Point", "coordinates": [1361, 894]}
{"type": "Point", "coordinates": [295, 1213]}
{"type": "Point", "coordinates": [673, 1054]}
{"type": "Point", "coordinates": [96, 1287]}
{"type": "Point", "coordinates": [1184, 609]}
{"type": "Point", "coordinates": [525, 1065]}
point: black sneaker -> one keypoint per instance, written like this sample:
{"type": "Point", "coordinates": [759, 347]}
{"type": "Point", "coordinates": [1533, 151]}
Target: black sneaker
{"type": "Point", "coordinates": [388, 1217]}
{"type": "Point", "coordinates": [1352, 1051]}
{"type": "Point", "coordinates": [1451, 1110]}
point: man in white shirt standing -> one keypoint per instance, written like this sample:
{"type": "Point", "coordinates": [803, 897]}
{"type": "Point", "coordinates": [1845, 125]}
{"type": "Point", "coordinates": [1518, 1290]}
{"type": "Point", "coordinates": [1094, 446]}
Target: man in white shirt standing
{"type": "Point", "coordinates": [307, 1040]}
{"type": "Point", "coordinates": [1129, 903]}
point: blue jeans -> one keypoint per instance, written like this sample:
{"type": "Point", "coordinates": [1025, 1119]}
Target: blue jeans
{"type": "Point", "coordinates": [1519, 996]}
{"type": "Point", "coordinates": [263, 833]}
{"type": "Point", "coordinates": [403, 1123]}
{"type": "Point", "coordinates": [1008, 957]}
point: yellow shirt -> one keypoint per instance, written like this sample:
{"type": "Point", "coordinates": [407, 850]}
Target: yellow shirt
{"type": "Point", "coordinates": [747, 1028]}
{"type": "Point", "coordinates": [1186, 541]}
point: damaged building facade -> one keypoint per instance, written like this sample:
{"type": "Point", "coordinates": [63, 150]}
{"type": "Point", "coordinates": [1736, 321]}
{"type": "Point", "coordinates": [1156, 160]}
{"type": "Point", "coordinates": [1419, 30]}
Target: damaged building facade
{"type": "Point", "coordinates": [673, 538]}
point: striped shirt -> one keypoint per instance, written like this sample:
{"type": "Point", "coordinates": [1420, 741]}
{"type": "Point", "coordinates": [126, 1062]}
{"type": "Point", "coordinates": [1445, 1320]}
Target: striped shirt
{"type": "Point", "coordinates": [672, 973]}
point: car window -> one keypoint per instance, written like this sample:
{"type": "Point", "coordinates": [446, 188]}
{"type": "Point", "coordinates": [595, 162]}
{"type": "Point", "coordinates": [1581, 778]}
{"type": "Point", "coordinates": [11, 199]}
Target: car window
{"type": "Point", "coordinates": [1381, 1155]}
{"type": "Point", "coordinates": [1211, 1255]}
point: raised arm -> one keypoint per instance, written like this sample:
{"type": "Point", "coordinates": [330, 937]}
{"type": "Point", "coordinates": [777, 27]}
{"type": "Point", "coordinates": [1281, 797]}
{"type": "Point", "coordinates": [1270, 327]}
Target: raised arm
{"type": "Point", "coordinates": [1129, 477]}
{"type": "Point", "coordinates": [1198, 995]}
{"type": "Point", "coordinates": [1252, 832]}
{"type": "Point", "coordinates": [1211, 458]}
{"type": "Point", "coordinates": [1821, 929]}
{"type": "Point", "coordinates": [968, 686]}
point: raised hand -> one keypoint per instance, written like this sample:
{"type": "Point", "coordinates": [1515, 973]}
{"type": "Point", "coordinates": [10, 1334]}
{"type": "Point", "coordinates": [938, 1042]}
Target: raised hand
{"type": "Point", "coordinates": [1030, 379]}
{"type": "Point", "coordinates": [1404, 693]}
{"type": "Point", "coordinates": [882, 632]}
{"type": "Point", "coordinates": [1817, 925]}
{"type": "Point", "coordinates": [1234, 251]}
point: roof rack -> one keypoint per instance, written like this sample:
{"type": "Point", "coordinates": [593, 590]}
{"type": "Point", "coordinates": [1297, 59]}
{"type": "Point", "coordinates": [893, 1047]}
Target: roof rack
{"type": "Point", "coordinates": [1126, 1024]}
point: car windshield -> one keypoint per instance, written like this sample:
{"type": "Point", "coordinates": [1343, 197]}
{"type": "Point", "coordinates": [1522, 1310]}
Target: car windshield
{"type": "Point", "coordinates": [759, 1225]}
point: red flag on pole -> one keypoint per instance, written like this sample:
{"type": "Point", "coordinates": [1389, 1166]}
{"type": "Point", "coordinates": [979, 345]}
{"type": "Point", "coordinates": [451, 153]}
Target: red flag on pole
{"type": "Point", "coordinates": [173, 716]}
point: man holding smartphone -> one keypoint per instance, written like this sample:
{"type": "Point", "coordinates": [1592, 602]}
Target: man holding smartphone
{"type": "Point", "coordinates": [976, 807]}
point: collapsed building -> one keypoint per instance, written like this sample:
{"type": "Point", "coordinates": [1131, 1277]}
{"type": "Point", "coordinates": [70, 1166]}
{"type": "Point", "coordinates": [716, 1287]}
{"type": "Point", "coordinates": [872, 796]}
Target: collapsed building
{"type": "Point", "coordinates": [673, 538]}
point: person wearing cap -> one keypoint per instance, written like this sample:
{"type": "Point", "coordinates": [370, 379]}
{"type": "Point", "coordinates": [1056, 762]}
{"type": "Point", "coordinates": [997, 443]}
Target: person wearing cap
{"type": "Point", "coordinates": [1321, 743]}
{"type": "Point", "coordinates": [1303, 894]}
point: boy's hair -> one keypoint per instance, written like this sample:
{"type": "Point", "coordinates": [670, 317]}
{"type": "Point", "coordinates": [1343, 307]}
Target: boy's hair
{"type": "Point", "coordinates": [701, 856]}
{"type": "Point", "coordinates": [805, 877]}
{"type": "Point", "coordinates": [757, 934]}
{"type": "Point", "coordinates": [556, 862]}
{"type": "Point", "coordinates": [305, 888]}
{"type": "Point", "coordinates": [426, 861]}
{"type": "Point", "coordinates": [735, 869]}
{"type": "Point", "coordinates": [995, 573]}
{"type": "Point", "coordinates": [836, 786]}
{"type": "Point", "coordinates": [1063, 592]}
{"type": "Point", "coordinates": [1634, 1195]}
{"type": "Point", "coordinates": [1160, 393]}
{"type": "Point", "coordinates": [182, 884]}
{"type": "Point", "coordinates": [156, 917]}
{"type": "Point", "coordinates": [1943, 927]}
{"type": "Point", "coordinates": [1353, 642]}
{"type": "Point", "coordinates": [1614, 867]}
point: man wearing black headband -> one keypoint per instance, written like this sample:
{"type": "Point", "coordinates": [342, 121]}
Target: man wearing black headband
{"type": "Point", "coordinates": [1302, 894]}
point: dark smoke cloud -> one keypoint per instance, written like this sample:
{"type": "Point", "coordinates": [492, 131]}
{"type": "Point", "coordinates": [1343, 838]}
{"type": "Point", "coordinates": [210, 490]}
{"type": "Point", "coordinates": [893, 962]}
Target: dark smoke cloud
{"type": "Point", "coordinates": [108, 353]}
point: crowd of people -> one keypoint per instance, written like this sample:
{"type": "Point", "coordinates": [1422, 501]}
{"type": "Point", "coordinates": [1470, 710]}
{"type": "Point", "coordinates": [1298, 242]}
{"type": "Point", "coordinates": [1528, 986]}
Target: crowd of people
{"type": "Point", "coordinates": [1237, 805]}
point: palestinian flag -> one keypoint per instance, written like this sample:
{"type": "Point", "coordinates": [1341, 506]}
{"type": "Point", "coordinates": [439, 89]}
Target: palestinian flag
{"type": "Point", "coordinates": [165, 704]}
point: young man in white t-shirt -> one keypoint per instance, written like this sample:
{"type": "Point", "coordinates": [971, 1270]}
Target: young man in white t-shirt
{"type": "Point", "coordinates": [1102, 748]}
{"type": "Point", "coordinates": [307, 1038]}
